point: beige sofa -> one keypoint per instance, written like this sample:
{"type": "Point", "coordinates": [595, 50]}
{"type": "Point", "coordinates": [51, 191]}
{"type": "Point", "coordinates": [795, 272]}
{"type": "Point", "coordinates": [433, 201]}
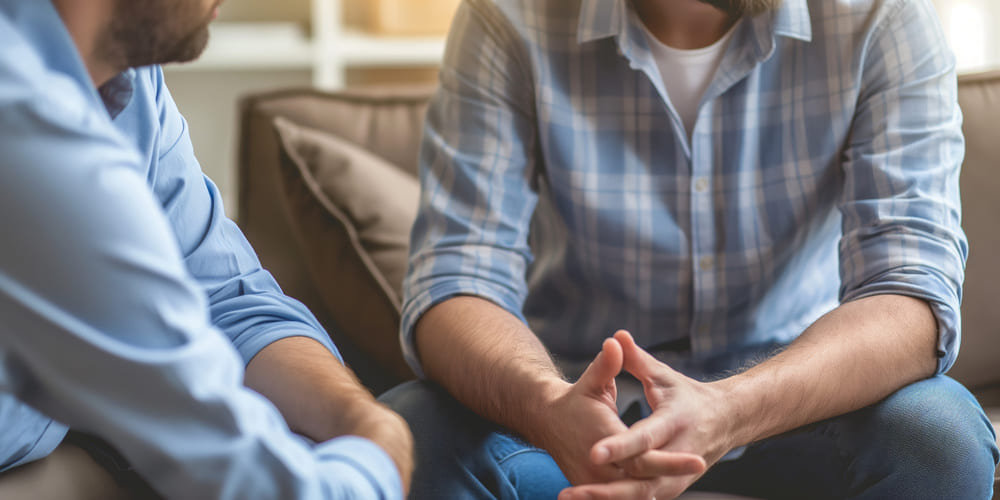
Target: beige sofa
{"type": "Point", "coordinates": [309, 242]}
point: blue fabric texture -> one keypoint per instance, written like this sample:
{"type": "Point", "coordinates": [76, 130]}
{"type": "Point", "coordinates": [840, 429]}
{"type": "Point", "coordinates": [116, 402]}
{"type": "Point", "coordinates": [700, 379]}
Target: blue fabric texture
{"type": "Point", "coordinates": [461, 455]}
{"type": "Point", "coordinates": [130, 303]}
{"type": "Point", "coordinates": [558, 181]}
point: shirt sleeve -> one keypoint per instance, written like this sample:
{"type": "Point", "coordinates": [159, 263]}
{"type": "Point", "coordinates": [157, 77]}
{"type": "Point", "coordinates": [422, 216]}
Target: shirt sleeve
{"type": "Point", "coordinates": [27, 435]}
{"type": "Point", "coordinates": [104, 330]}
{"type": "Point", "coordinates": [244, 300]}
{"type": "Point", "coordinates": [476, 167]}
{"type": "Point", "coordinates": [901, 209]}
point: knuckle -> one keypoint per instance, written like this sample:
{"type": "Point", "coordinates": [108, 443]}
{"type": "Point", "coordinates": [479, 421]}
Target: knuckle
{"type": "Point", "coordinates": [647, 439]}
{"type": "Point", "coordinates": [646, 489]}
{"type": "Point", "coordinates": [634, 467]}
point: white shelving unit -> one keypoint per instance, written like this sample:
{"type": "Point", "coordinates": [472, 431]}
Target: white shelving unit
{"type": "Point", "coordinates": [328, 52]}
{"type": "Point", "coordinates": [311, 44]}
{"type": "Point", "coordinates": [295, 43]}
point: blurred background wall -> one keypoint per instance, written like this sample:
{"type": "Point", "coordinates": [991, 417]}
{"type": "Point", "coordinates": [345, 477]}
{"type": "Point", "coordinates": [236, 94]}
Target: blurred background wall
{"type": "Point", "coordinates": [330, 44]}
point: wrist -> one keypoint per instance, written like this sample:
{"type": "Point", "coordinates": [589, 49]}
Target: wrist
{"type": "Point", "coordinates": [739, 418]}
{"type": "Point", "coordinates": [345, 411]}
{"type": "Point", "coordinates": [535, 419]}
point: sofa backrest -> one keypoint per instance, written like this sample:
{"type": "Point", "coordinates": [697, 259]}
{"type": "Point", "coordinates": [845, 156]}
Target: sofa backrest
{"type": "Point", "coordinates": [978, 364]}
{"type": "Point", "coordinates": [387, 121]}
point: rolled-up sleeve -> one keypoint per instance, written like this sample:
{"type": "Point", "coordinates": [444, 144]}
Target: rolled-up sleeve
{"type": "Point", "coordinates": [901, 207]}
{"type": "Point", "coordinates": [245, 301]}
{"type": "Point", "coordinates": [476, 167]}
{"type": "Point", "coordinates": [27, 435]}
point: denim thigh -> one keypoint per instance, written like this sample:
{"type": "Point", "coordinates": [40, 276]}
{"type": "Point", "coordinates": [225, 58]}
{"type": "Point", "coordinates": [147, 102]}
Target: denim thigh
{"type": "Point", "coordinates": [462, 455]}
{"type": "Point", "coordinates": [930, 439]}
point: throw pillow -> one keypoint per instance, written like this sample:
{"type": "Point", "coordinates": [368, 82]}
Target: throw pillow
{"type": "Point", "coordinates": [351, 214]}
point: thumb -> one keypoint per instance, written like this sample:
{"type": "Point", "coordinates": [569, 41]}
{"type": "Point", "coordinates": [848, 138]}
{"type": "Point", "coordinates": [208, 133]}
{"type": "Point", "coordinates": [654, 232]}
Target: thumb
{"type": "Point", "coordinates": [601, 373]}
{"type": "Point", "coordinates": [637, 361]}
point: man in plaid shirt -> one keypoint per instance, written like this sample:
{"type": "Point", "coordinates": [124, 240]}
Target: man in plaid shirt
{"type": "Point", "coordinates": [759, 197]}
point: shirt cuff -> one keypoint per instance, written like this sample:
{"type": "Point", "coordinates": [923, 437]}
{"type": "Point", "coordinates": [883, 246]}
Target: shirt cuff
{"type": "Point", "coordinates": [949, 334]}
{"type": "Point", "coordinates": [250, 344]}
{"type": "Point", "coordinates": [422, 302]}
{"type": "Point", "coordinates": [942, 300]}
{"type": "Point", "coordinates": [47, 442]}
{"type": "Point", "coordinates": [376, 474]}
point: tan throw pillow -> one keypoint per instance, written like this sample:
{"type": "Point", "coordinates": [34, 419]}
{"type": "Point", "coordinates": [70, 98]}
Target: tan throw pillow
{"type": "Point", "coordinates": [351, 213]}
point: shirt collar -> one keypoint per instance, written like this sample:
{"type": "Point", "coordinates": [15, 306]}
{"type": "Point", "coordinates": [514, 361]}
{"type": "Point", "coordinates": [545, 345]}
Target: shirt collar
{"type": "Point", "coordinates": [601, 19]}
{"type": "Point", "coordinates": [609, 18]}
{"type": "Point", "coordinates": [790, 20]}
{"type": "Point", "coordinates": [117, 92]}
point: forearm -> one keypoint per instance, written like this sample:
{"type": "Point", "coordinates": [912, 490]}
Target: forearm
{"type": "Point", "coordinates": [309, 385]}
{"type": "Point", "coordinates": [489, 360]}
{"type": "Point", "coordinates": [181, 417]}
{"type": "Point", "coordinates": [321, 398]}
{"type": "Point", "coordinates": [853, 357]}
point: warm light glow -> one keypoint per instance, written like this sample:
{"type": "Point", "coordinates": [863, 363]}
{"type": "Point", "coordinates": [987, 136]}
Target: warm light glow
{"type": "Point", "coordinates": [967, 32]}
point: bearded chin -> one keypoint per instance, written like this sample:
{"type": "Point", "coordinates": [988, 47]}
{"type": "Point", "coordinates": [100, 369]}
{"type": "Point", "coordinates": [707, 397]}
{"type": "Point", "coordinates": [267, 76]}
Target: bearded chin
{"type": "Point", "coordinates": [189, 48]}
{"type": "Point", "coordinates": [743, 8]}
{"type": "Point", "coordinates": [146, 32]}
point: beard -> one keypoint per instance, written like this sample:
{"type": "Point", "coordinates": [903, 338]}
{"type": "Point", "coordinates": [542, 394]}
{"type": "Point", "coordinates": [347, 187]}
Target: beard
{"type": "Point", "coordinates": [146, 32]}
{"type": "Point", "coordinates": [744, 8]}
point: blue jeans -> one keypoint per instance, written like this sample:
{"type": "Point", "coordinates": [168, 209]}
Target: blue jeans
{"type": "Point", "coordinates": [929, 440]}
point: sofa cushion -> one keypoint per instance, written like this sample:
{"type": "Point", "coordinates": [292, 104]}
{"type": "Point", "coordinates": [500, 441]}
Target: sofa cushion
{"type": "Point", "coordinates": [351, 213]}
{"type": "Point", "coordinates": [976, 367]}
{"type": "Point", "coordinates": [386, 121]}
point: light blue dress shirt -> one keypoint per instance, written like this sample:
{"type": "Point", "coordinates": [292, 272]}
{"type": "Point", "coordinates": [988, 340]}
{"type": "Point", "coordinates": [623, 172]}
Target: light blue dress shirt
{"type": "Point", "coordinates": [129, 303]}
{"type": "Point", "coordinates": [558, 181]}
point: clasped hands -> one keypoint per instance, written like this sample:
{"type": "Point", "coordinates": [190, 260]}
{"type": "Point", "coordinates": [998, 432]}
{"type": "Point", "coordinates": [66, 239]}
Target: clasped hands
{"type": "Point", "coordinates": [659, 456]}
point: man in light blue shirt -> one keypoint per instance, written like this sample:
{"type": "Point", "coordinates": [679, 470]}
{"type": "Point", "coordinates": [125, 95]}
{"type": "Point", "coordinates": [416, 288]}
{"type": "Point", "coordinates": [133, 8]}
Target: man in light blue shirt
{"type": "Point", "coordinates": [129, 303]}
{"type": "Point", "coordinates": [798, 214]}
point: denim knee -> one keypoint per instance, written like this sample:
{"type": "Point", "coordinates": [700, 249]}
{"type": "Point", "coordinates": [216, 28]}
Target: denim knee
{"type": "Point", "coordinates": [930, 439]}
{"type": "Point", "coordinates": [462, 455]}
{"type": "Point", "coordinates": [424, 403]}
{"type": "Point", "coordinates": [527, 471]}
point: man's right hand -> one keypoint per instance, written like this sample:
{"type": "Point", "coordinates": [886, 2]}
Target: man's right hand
{"type": "Point", "coordinates": [581, 414]}
{"type": "Point", "coordinates": [585, 412]}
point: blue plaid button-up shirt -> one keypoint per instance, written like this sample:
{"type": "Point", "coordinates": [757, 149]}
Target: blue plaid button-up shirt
{"type": "Point", "coordinates": [558, 181]}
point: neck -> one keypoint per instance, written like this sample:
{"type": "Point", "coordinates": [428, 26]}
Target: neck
{"type": "Point", "coordinates": [86, 21]}
{"type": "Point", "coordinates": [684, 24]}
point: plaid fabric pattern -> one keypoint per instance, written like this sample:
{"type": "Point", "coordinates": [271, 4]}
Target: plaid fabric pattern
{"type": "Point", "coordinates": [558, 181]}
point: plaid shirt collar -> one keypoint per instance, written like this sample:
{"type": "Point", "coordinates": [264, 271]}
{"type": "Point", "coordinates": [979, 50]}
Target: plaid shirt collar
{"type": "Point", "coordinates": [601, 19]}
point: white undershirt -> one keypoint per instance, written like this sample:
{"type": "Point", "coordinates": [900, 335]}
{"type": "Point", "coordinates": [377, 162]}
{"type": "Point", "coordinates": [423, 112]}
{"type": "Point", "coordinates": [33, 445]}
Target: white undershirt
{"type": "Point", "coordinates": [687, 73]}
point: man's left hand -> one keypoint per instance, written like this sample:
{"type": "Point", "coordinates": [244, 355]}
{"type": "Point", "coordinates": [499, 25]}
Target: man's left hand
{"type": "Point", "coordinates": [688, 416]}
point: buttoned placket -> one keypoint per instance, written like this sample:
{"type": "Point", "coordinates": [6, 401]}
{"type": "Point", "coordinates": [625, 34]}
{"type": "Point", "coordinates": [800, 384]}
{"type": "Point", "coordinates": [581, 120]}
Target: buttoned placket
{"type": "Point", "coordinates": [703, 231]}
{"type": "Point", "coordinates": [737, 63]}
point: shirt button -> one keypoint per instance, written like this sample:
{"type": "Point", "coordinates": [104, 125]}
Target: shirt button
{"type": "Point", "coordinates": [706, 263]}
{"type": "Point", "coordinates": [701, 185]}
